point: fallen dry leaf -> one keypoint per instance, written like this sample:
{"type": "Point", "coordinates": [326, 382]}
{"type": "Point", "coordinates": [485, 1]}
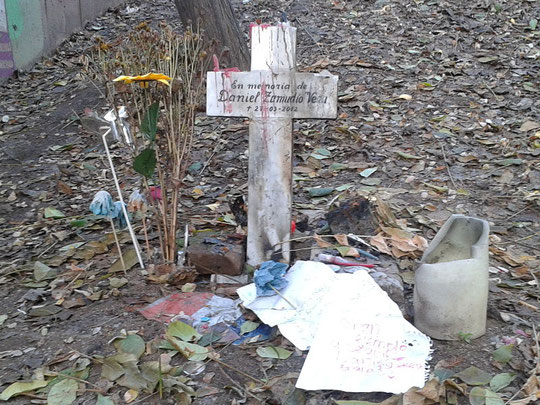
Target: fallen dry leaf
{"type": "Point", "coordinates": [320, 242]}
{"type": "Point", "coordinates": [384, 213]}
{"type": "Point", "coordinates": [378, 242]}
{"type": "Point", "coordinates": [64, 188]}
{"type": "Point", "coordinates": [342, 239]}
{"type": "Point", "coordinates": [510, 257]}
{"type": "Point", "coordinates": [431, 390]}
{"type": "Point", "coordinates": [529, 125]}
{"type": "Point", "coordinates": [411, 397]}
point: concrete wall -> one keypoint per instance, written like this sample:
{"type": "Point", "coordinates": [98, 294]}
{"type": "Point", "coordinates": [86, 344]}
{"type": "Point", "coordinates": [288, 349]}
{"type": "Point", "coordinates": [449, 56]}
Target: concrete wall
{"type": "Point", "coordinates": [7, 65]}
{"type": "Point", "coordinates": [30, 29]}
{"type": "Point", "coordinates": [26, 31]}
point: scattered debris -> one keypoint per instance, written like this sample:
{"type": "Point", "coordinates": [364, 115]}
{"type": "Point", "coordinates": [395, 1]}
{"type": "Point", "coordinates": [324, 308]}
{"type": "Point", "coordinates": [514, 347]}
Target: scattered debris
{"type": "Point", "coordinates": [357, 338]}
{"type": "Point", "coordinates": [443, 124]}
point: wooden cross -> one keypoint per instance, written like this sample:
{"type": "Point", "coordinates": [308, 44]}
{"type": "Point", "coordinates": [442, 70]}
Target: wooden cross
{"type": "Point", "coordinates": [271, 95]}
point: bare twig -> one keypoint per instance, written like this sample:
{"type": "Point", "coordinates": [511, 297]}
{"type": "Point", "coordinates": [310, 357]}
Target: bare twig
{"type": "Point", "coordinates": [312, 237]}
{"type": "Point", "coordinates": [217, 148]}
{"type": "Point", "coordinates": [238, 371]}
{"type": "Point", "coordinates": [536, 341]}
{"type": "Point", "coordinates": [29, 395]}
{"type": "Point", "coordinates": [144, 399]}
{"type": "Point", "coordinates": [281, 295]}
{"type": "Point", "coordinates": [76, 379]}
{"type": "Point", "coordinates": [528, 237]}
{"type": "Point", "coordinates": [72, 281]}
{"type": "Point", "coordinates": [49, 248]}
{"type": "Point", "coordinates": [239, 386]}
{"type": "Point", "coordinates": [148, 250]}
{"type": "Point", "coordinates": [531, 272]}
{"type": "Point", "coordinates": [118, 244]}
{"type": "Point", "coordinates": [323, 52]}
{"type": "Point", "coordinates": [447, 166]}
{"type": "Point", "coordinates": [516, 213]}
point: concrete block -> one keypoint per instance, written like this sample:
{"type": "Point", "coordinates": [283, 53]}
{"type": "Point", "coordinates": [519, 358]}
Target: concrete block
{"type": "Point", "coordinates": [62, 18]}
{"type": "Point", "coordinates": [92, 9]}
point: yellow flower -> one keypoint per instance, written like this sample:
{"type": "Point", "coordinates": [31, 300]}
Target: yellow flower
{"type": "Point", "coordinates": [144, 79]}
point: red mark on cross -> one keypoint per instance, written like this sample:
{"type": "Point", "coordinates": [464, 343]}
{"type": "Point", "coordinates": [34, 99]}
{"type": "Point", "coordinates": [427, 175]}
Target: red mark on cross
{"type": "Point", "coordinates": [226, 71]}
{"type": "Point", "coordinates": [226, 77]}
{"type": "Point", "coordinates": [258, 23]}
{"type": "Point", "coordinates": [264, 114]}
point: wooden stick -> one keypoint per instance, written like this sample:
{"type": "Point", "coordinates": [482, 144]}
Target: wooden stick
{"type": "Point", "coordinates": [322, 236]}
{"type": "Point", "coordinates": [148, 251]}
{"type": "Point", "coordinates": [239, 386]}
{"type": "Point", "coordinates": [281, 295]}
{"type": "Point", "coordinates": [118, 245]}
{"type": "Point", "coordinates": [237, 370]}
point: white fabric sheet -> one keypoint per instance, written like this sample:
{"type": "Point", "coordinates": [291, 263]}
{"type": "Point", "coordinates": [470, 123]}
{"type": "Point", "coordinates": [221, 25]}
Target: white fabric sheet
{"type": "Point", "coordinates": [359, 340]}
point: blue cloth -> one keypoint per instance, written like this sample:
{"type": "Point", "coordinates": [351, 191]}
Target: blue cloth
{"type": "Point", "coordinates": [268, 275]}
{"type": "Point", "coordinates": [262, 332]}
{"type": "Point", "coordinates": [118, 214]}
{"type": "Point", "coordinates": [102, 204]}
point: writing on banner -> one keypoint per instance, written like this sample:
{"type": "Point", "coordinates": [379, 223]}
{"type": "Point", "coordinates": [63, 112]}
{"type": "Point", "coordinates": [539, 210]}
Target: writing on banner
{"type": "Point", "coordinates": [260, 94]}
{"type": "Point", "coordinates": [369, 349]}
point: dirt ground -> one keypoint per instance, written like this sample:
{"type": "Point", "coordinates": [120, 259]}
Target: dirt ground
{"type": "Point", "coordinates": [440, 97]}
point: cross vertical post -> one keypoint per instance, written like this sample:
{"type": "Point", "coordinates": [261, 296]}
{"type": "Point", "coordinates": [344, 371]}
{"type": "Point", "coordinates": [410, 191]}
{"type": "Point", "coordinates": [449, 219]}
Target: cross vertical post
{"type": "Point", "coordinates": [271, 95]}
{"type": "Point", "coordinates": [270, 153]}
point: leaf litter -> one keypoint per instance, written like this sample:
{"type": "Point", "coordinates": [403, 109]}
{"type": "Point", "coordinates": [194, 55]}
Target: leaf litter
{"type": "Point", "coordinates": [446, 122]}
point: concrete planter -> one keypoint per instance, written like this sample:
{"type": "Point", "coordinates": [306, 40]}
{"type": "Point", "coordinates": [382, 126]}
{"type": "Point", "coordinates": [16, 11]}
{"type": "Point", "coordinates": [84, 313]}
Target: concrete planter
{"type": "Point", "coordinates": [451, 284]}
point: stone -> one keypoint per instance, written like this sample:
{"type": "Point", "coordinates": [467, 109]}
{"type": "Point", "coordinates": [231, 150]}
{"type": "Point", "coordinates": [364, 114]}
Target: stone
{"type": "Point", "coordinates": [214, 256]}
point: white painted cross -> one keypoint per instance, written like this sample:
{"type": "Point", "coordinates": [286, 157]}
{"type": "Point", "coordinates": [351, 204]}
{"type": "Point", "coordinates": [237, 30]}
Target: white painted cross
{"type": "Point", "coordinates": [271, 95]}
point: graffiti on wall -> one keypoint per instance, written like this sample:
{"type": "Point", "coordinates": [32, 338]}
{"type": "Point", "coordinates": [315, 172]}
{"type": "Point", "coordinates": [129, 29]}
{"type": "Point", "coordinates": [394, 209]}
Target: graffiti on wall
{"type": "Point", "coordinates": [7, 66]}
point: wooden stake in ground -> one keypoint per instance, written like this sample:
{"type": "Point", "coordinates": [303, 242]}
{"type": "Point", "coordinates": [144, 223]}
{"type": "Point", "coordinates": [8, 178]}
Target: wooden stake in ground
{"type": "Point", "coordinates": [271, 95]}
{"type": "Point", "coordinates": [118, 245]}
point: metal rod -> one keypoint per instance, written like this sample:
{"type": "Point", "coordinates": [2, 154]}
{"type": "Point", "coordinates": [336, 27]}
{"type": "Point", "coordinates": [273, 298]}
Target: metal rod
{"type": "Point", "coordinates": [124, 210]}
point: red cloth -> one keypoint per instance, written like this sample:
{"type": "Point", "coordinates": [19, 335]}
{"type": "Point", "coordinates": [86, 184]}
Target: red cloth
{"type": "Point", "coordinates": [166, 308]}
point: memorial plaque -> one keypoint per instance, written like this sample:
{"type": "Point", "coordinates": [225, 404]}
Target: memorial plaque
{"type": "Point", "coordinates": [259, 94]}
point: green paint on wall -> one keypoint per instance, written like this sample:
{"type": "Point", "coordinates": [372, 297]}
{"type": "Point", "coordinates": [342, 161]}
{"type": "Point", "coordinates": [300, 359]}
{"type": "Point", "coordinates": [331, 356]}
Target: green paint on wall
{"type": "Point", "coordinates": [15, 19]}
{"type": "Point", "coordinates": [25, 20]}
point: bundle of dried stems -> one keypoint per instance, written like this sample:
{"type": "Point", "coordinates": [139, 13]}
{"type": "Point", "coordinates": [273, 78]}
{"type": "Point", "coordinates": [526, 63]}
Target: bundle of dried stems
{"type": "Point", "coordinates": [162, 116]}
